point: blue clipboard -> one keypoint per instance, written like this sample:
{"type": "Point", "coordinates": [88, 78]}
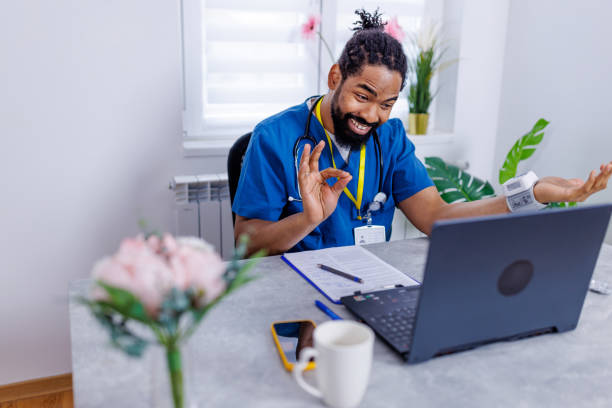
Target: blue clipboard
{"type": "Point", "coordinates": [337, 302]}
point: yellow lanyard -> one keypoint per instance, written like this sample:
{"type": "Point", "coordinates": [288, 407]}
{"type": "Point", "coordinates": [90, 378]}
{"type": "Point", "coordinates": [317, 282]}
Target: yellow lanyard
{"type": "Point", "coordinates": [362, 155]}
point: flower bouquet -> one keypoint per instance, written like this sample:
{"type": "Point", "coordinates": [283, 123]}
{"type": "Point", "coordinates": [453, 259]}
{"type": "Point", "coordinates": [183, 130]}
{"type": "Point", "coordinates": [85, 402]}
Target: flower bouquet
{"type": "Point", "coordinates": [167, 285]}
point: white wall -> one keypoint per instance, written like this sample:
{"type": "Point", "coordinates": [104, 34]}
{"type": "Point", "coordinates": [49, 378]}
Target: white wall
{"type": "Point", "coordinates": [90, 119]}
{"type": "Point", "coordinates": [479, 82]}
{"type": "Point", "coordinates": [452, 16]}
{"type": "Point", "coordinates": [557, 66]}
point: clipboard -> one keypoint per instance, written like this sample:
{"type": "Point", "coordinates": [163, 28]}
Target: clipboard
{"type": "Point", "coordinates": [314, 285]}
{"type": "Point", "coordinates": [376, 273]}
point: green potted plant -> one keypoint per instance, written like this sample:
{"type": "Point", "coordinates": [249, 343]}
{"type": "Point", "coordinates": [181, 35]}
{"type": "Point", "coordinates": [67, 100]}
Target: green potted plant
{"type": "Point", "coordinates": [424, 55]}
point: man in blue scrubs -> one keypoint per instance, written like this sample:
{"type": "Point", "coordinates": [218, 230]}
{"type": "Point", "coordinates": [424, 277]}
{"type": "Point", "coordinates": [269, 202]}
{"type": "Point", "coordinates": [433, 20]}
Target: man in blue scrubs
{"type": "Point", "coordinates": [284, 211]}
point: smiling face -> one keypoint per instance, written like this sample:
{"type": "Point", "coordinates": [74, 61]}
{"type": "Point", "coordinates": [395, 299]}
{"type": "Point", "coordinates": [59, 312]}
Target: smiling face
{"type": "Point", "coordinates": [362, 102]}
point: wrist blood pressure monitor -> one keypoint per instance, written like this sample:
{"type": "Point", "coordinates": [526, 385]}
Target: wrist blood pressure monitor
{"type": "Point", "coordinates": [519, 193]}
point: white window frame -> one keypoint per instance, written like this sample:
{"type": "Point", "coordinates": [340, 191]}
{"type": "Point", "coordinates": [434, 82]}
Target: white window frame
{"type": "Point", "coordinates": [197, 140]}
{"type": "Point", "coordinates": [193, 66]}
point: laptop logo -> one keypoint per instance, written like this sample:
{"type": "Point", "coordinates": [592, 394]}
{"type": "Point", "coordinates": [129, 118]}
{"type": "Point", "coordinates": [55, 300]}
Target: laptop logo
{"type": "Point", "coordinates": [515, 277]}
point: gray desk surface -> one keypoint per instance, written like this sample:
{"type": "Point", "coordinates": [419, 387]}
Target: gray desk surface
{"type": "Point", "coordinates": [234, 361]}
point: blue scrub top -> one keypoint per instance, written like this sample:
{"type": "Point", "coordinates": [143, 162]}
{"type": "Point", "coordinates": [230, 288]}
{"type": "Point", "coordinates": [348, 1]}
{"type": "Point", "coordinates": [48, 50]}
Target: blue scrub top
{"type": "Point", "coordinates": [268, 176]}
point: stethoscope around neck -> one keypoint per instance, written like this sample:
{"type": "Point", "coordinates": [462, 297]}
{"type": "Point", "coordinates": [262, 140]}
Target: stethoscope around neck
{"type": "Point", "coordinates": [379, 198]}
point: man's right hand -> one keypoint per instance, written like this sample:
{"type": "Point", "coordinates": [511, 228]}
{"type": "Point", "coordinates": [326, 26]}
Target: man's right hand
{"type": "Point", "coordinates": [319, 199]}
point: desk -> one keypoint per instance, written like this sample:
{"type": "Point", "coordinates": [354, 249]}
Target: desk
{"type": "Point", "coordinates": [236, 364]}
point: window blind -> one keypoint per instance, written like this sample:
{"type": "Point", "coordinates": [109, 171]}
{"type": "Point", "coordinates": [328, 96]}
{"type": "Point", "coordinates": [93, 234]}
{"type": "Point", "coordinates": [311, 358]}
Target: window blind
{"type": "Point", "coordinates": [254, 61]}
{"type": "Point", "coordinates": [247, 60]}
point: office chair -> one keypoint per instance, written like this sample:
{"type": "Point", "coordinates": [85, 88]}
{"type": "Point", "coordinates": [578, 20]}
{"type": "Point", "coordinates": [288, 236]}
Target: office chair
{"type": "Point", "coordinates": [234, 165]}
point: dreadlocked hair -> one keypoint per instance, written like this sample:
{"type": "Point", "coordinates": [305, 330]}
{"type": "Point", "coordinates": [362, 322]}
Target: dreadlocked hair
{"type": "Point", "coordinates": [370, 45]}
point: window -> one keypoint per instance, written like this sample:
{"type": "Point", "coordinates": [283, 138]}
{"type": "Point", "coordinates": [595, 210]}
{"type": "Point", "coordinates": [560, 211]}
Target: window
{"type": "Point", "coordinates": [246, 60]}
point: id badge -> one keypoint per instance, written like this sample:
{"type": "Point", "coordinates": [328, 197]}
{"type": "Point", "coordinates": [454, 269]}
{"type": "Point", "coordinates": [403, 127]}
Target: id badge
{"type": "Point", "coordinates": [369, 234]}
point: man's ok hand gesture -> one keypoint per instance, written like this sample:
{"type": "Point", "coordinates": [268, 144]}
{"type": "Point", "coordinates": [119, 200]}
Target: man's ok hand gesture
{"type": "Point", "coordinates": [319, 199]}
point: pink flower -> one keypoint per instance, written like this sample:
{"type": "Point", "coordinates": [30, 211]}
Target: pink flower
{"type": "Point", "coordinates": [203, 270]}
{"type": "Point", "coordinates": [196, 243]}
{"type": "Point", "coordinates": [137, 269]}
{"type": "Point", "coordinates": [170, 245]}
{"type": "Point", "coordinates": [309, 28]}
{"type": "Point", "coordinates": [394, 29]}
{"type": "Point", "coordinates": [150, 269]}
{"type": "Point", "coordinates": [154, 243]}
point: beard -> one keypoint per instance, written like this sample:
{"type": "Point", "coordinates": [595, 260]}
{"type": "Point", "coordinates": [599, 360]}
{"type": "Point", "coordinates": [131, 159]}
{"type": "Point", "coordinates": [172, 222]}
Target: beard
{"type": "Point", "coordinates": [344, 135]}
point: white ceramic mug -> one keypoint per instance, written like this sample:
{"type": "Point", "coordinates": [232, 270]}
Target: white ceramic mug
{"type": "Point", "coordinates": [343, 356]}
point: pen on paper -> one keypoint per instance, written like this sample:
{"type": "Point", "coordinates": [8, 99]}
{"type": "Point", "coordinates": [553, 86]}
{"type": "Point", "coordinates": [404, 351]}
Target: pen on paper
{"type": "Point", "coordinates": [340, 273]}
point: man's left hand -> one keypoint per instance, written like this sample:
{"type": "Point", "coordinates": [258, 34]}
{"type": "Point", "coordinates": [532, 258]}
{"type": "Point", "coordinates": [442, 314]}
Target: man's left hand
{"type": "Point", "coordinates": [557, 189]}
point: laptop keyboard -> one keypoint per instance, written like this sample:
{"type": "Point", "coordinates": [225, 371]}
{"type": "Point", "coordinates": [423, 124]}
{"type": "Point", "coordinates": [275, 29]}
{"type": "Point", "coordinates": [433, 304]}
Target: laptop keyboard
{"type": "Point", "coordinates": [395, 326]}
{"type": "Point", "coordinates": [390, 313]}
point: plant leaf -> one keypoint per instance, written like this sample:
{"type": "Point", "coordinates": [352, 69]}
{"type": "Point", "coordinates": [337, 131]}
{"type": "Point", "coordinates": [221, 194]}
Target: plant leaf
{"type": "Point", "coordinates": [120, 336]}
{"type": "Point", "coordinates": [175, 303]}
{"type": "Point", "coordinates": [456, 185]}
{"type": "Point", "coordinates": [527, 153]}
{"type": "Point", "coordinates": [521, 150]}
{"type": "Point", "coordinates": [125, 303]}
{"type": "Point", "coordinates": [562, 205]}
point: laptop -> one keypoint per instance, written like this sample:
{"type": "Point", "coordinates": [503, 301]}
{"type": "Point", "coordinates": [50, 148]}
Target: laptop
{"type": "Point", "coordinates": [488, 279]}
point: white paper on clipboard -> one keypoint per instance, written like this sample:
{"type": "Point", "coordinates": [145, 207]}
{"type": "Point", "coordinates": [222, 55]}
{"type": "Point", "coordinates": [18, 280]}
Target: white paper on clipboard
{"type": "Point", "coordinates": [358, 261]}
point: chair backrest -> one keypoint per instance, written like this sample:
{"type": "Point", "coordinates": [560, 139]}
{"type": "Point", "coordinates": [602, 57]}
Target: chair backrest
{"type": "Point", "coordinates": [234, 165]}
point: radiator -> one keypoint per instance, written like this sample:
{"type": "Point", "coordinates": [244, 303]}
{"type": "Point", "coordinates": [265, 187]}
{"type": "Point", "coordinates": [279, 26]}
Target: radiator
{"type": "Point", "coordinates": [202, 207]}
